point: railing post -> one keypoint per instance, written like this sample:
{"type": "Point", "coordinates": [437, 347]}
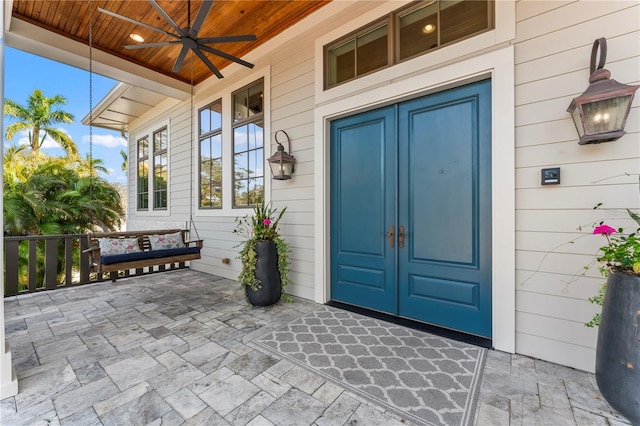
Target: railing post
{"type": "Point", "coordinates": [68, 260]}
{"type": "Point", "coordinates": [11, 268]}
{"type": "Point", "coordinates": [84, 261]}
{"type": "Point", "coordinates": [32, 266]}
{"type": "Point", "coordinates": [50, 264]}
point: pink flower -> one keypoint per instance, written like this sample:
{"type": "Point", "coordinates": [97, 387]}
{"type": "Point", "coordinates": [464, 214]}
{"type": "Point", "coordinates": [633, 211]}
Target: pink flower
{"type": "Point", "coordinates": [266, 222]}
{"type": "Point", "coordinates": [604, 229]}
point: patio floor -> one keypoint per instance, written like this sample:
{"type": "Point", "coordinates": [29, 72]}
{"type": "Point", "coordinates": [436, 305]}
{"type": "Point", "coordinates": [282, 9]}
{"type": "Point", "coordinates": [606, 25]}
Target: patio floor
{"type": "Point", "coordinates": [176, 349]}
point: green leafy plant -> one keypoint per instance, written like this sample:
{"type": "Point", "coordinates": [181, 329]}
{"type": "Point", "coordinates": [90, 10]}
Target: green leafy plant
{"type": "Point", "coordinates": [620, 254]}
{"type": "Point", "coordinates": [262, 225]}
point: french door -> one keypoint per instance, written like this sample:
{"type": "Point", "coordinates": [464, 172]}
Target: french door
{"type": "Point", "coordinates": [411, 209]}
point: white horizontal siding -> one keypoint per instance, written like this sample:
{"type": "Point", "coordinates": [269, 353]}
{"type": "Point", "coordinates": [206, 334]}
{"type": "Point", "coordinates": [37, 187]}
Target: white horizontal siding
{"type": "Point", "coordinates": [561, 333]}
{"type": "Point", "coordinates": [552, 48]}
{"type": "Point", "coordinates": [553, 223]}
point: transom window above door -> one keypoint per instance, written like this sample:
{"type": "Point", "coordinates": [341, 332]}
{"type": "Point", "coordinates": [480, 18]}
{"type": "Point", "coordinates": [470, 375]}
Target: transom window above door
{"type": "Point", "coordinates": [406, 33]}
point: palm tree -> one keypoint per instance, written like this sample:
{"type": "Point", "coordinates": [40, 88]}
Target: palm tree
{"type": "Point", "coordinates": [52, 195]}
{"type": "Point", "coordinates": [39, 116]}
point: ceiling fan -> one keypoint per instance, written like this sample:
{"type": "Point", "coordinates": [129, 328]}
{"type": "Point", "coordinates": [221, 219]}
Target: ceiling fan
{"type": "Point", "coordinates": [188, 37]}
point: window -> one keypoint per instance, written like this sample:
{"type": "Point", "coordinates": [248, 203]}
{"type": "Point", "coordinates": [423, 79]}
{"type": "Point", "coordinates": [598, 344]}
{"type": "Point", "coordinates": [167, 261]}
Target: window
{"type": "Point", "coordinates": [153, 169]}
{"type": "Point", "coordinates": [160, 169]}
{"type": "Point", "coordinates": [143, 173]}
{"type": "Point", "coordinates": [418, 29]}
{"type": "Point", "coordinates": [248, 145]}
{"type": "Point", "coordinates": [210, 137]}
{"type": "Point", "coordinates": [360, 55]}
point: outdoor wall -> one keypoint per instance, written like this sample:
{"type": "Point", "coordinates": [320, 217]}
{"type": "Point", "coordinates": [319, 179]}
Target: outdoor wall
{"type": "Point", "coordinates": [553, 238]}
{"type": "Point", "coordinates": [554, 223]}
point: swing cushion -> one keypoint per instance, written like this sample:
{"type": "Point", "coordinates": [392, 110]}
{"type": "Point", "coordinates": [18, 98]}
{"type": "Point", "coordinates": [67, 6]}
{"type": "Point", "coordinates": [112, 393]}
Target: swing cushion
{"type": "Point", "coordinates": [112, 246]}
{"type": "Point", "coordinates": [166, 241]}
{"type": "Point", "coordinates": [152, 254]}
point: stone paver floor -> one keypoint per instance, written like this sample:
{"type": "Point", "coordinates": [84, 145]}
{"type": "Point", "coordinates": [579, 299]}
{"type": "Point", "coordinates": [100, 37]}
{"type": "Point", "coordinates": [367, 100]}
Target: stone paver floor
{"type": "Point", "coordinates": [176, 349]}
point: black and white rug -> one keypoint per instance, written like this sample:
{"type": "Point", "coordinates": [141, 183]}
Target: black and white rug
{"type": "Point", "coordinates": [428, 379]}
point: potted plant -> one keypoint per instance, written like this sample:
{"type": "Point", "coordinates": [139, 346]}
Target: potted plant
{"type": "Point", "coordinates": [618, 346]}
{"type": "Point", "coordinates": [264, 256]}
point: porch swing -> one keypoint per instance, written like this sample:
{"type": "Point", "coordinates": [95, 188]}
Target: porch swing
{"type": "Point", "coordinates": [120, 253]}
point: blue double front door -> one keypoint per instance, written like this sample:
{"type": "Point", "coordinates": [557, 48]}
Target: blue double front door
{"type": "Point", "coordinates": [411, 209]}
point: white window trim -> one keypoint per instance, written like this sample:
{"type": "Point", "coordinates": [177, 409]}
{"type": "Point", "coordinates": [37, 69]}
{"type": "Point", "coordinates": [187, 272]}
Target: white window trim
{"type": "Point", "coordinates": [503, 32]}
{"type": "Point", "coordinates": [225, 93]}
{"type": "Point", "coordinates": [417, 77]}
{"type": "Point", "coordinates": [148, 132]}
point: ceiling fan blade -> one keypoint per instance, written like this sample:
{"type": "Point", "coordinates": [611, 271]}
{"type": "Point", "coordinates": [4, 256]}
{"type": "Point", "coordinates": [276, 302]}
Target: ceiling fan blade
{"type": "Point", "coordinates": [208, 62]}
{"type": "Point", "coordinates": [202, 15]}
{"type": "Point", "coordinates": [159, 44]}
{"type": "Point", "coordinates": [178, 64]}
{"type": "Point", "coordinates": [227, 39]}
{"type": "Point", "coordinates": [133, 21]}
{"type": "Point", "coordinates": [166, 17]}
{"type": "Point", "coordinates": [226, 56]}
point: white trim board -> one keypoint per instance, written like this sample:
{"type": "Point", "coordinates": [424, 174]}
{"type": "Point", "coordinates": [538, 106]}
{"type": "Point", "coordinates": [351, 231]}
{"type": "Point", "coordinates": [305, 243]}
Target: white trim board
{"type": "Point", "coordinates": [499, 65]}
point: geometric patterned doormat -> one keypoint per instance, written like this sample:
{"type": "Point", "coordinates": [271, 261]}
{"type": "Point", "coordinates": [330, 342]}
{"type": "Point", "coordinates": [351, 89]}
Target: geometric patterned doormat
{"type": "Point", "coordinates": [427, 379]}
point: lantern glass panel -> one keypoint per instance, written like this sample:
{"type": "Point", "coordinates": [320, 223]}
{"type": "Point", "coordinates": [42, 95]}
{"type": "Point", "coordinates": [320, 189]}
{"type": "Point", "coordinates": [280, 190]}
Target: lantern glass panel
{"type": "Point", "coordinates": [605, 115]}
{"type": "Point", "coordinates": [281, 169]}
{"type": "Point", "coordinates": [576, 120]}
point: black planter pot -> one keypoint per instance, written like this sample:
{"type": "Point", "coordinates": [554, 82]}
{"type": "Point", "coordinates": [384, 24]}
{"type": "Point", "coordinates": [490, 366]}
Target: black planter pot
{"type": "Point", "coordinates": [618, 348]}
{"type": "Point", "coordinates": [268, 275]}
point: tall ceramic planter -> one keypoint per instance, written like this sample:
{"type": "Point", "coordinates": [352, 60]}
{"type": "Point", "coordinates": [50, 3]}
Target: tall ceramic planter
{"type": "Point", "coordinates": [618, 348]}
{"type": "Point", "coordinates": [268, 274]}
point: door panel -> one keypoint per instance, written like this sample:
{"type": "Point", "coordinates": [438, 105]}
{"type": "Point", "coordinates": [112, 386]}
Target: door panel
{"type": "Point", "coordinates": [422, 166]}
{"type": "Point", "coordinates": [363, 188]}
{"type": "Point", "coordinates": [444, 274]}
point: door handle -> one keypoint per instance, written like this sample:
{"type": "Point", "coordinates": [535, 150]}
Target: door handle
{"type": "Point", "coordinates": [391, 236]}
{"type": "Point", "coordinates": [401, 237]}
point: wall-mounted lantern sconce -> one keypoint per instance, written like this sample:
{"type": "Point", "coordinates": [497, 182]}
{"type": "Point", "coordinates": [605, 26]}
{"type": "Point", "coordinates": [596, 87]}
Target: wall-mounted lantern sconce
{"type": "Point", "coordinates": [600, 113]}
{"type": "Point", "coordinates": [281, 162]}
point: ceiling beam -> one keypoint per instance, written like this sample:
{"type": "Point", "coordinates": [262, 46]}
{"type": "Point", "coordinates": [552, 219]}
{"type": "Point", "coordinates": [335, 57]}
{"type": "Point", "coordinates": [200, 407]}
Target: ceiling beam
{"type": "Point", "coordinates": [38, 41]}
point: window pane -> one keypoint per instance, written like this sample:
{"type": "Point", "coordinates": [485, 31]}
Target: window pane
{"type": "Point", "coordinates": [216, 146]}
{"type": "Point", "coordinates": [256, 192]}
{"type": "Point", "coordinates": [252, 163]}
{"type": "Point", "coordinates": [143, 201]}
{"type": "Point", "coordinates": [256, 135]}
{"type": "Point", "coordinates": [205, 121]}
{"type": "Point", "coordinates": [462, 18]}
{"type": "Point", "coordinates": [342, 63]}
{"type": "Point", "coordinates": [205, 195]}
{"type": "Point", "coordinates": [240, 136]}
{"type": "Point", "coordinates": [241, 162]}
{"type": "Point", "coordinates": [255, 99]}
{"type": "Point", "coordinates": [240, 105]}
{"type": "Point", "coordinates": [205, 149]}
{"type": "Point", "coordinates": [143, 147]}
{"type": "Point", "coordinates": [143, 185]}
{"type": "Point", "coordinates": [211, 117]}
{"type": "Point", "coordinates": [241, 195]}
{"type": "Point", "coordinates": [160, 140]}
{"type": "Point", "coordinates": [418, 30]}
{"type": "Point", "coordinates": [160, 167]}
{"type": "Point", "coordinates": [216, 196]}
{"type": "Point", "coordinates": [373, 50]}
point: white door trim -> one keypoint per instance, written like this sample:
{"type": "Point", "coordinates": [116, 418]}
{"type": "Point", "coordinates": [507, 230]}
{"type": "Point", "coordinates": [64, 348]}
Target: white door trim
{"type": "Point", "coordinates": [497, 64]}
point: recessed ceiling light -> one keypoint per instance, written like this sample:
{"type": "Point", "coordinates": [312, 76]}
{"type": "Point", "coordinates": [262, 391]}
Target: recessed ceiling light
{"type": "Point", "coordinates": [136, 37]}
{"type": "Point", "coordinates": [429, 28]}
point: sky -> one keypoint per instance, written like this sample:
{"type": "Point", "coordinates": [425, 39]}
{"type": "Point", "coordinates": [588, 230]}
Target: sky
{"type": "Point", "coordinates": [24, 72]}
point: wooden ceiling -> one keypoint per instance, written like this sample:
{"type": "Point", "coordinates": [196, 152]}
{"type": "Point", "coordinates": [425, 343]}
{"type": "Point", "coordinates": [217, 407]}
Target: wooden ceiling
{"type": "Point", "coordinates": [70, 18]}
